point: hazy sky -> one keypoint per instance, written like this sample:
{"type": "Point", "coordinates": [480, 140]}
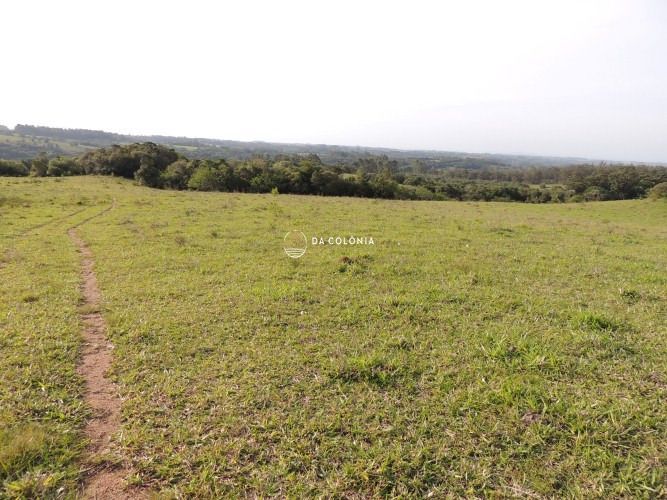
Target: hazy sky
{"type": "Point", "coordinates": [566, 77]}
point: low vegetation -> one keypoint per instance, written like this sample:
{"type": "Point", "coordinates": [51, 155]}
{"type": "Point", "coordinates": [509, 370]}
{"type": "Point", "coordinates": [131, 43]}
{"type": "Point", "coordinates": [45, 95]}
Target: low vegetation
{"type": "Point", "coordinates": [477, 349]}
{"type": "Point", "coordinates": [41, 410]}
{"type": "Point", "coordinates": [659, 191]}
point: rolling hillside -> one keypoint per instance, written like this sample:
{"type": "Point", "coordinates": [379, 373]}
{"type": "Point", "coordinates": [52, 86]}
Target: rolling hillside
{"type": "Point", "coordinates": [26, 141]}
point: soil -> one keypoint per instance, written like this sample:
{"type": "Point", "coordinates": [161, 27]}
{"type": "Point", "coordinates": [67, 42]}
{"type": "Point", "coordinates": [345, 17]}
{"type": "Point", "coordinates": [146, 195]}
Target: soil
{"type": "Point", "coordinates": [103, 480]}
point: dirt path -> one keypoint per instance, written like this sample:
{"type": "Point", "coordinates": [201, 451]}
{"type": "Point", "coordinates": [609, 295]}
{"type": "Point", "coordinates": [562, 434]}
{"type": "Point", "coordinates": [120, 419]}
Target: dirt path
{"type": "Point", "coordinates": [101, 393]}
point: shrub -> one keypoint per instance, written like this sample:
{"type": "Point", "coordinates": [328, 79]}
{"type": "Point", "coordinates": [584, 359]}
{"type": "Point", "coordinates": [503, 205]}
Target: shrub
{"type": "Point", "coordinates": [595, 193]}
{"type": "Point", "coordinates": [659, 191]}
{"type": "Point", "coordinates": [63, 166]}
{"type": "Point", "coordinates": [126, 160]}
{"type": "Point", "coordinates": [148, 174]}
{"type": "Point", "coordinates": [39, 166]}
{"type": "Point", "coordinates": [177, 175]}
{"type": "Point", "coordinates": [206, 178]}
{"type": "Point", "coordinates": [13, 168]}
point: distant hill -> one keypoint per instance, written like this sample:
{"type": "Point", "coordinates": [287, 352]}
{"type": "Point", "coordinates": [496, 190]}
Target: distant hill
{"type": "Point", "coordinates": [27, 141]}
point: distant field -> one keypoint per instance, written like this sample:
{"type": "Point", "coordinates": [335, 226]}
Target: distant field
{"type": "Point", "coordinates": [20, 147]}
{"type": "Point", "coordinates": [476, 349]}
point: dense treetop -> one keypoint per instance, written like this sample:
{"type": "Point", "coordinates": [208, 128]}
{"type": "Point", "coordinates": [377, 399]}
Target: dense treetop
{"type": "Point", "coordinates": [159, 166]}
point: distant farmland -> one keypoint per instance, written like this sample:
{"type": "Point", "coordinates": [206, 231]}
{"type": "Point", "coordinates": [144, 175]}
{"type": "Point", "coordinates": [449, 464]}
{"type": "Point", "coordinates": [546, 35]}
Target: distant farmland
{"type": "Point", "coordinates": [474, 349]}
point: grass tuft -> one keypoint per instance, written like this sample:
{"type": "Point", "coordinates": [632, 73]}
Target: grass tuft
{"type": "Point", "coordinates": [598, 322]}
{"type": "Point", "coordinates": [375, 370]}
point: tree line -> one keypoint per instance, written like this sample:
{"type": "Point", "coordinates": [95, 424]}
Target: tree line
{"type": "Point", "coordinates": [158, 166]}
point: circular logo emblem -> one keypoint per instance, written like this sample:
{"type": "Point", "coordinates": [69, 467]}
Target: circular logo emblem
{"type": "Point", "coordinates": [295, 244]}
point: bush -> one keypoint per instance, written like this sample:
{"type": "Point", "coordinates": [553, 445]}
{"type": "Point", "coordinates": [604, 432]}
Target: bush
{"type": "Point", "coordinates": [177, 175]}
{"type": "Point", "coordinates": [206, 178]}
{"type": "Point", "coordinates": [595, 193]}
{"type": "Point", "coordinates": [63, 166]}
{"type": "Point", "coordinates": [659, 191]}
{"type": "Point", "coordinates": [125, 161]}
{"type": "Point", "coordinates": [13, 168]}
{"type": "Point", "coordinates": [148, 174]}
{"type": "Point", "coordinates": [39, 166]}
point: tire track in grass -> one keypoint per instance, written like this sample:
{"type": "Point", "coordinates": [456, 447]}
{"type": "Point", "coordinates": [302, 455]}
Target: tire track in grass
{"type": "Point", "coordinates": [26, 231]}
{"type": "Point", "coordinates": [101, 394]}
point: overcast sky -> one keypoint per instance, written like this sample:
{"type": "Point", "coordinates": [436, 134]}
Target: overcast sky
{"type": "Point", "coordinates": [567, 77]}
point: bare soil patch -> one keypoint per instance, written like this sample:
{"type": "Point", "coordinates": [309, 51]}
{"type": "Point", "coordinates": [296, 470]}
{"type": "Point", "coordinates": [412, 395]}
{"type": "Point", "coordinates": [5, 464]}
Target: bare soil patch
{"type": "Point", "coordinates": [101, 394]}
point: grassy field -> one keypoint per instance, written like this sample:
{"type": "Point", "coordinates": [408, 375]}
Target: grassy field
{"type": "Point", "coordinates": [475, 349]}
